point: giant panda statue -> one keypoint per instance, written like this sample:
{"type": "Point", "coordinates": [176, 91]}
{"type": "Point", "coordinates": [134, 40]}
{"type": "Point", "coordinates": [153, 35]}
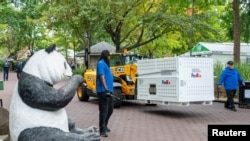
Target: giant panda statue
{"type": "Point", "coordinates": [37, 109]}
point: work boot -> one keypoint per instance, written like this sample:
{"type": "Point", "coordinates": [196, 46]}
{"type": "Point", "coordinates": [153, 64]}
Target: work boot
{"type": "Point", "coordinates": [233, 109]}
{"type": "Point", "coordinates": [103, 134]}
{"type": "Point", "coordinates": [108, 130]}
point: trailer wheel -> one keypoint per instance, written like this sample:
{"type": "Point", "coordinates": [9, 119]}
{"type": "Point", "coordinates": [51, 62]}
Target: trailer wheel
{"type": "Point", "coordinates": [82, 93]}
{"type": "Point", "coordinates": [117, 97]}
{"type": "Point", "coordinates": [150, 104]}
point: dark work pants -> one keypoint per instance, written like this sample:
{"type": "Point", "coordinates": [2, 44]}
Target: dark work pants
{"type": "Point", "coordinates": [230, 99]}
{"type": "Point", "coordinates": [5, 73]}
{"type": "Point", "coordinates": [106, 107]}
{"type": "Point", "coordinates": [18, 74]}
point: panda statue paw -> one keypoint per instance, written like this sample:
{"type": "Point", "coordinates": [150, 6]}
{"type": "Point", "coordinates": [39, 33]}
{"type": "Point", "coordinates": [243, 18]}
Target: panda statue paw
{"type": "Point", "coordinates": [91, 137]}
{"type": "Point", "coordinates": [91, 129]}
{"type": "Point", "coordinates": [78, 78]}
{"type": "Point", "coordinates": [90, 134]}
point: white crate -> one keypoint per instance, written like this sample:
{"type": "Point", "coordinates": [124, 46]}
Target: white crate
{"type": "Point", "coordinates": [190, 80]}
{"type": "Point", "coordinates": [155, 66]}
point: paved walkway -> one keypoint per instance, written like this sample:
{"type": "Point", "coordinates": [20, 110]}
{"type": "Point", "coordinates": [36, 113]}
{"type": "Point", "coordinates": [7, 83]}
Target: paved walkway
{"type": "Point", "coordinates": [137, 122]}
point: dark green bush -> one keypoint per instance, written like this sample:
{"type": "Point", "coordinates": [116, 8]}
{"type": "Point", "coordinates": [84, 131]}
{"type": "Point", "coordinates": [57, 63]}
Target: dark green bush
{"type": "Point", "coordinates": [79, 70]}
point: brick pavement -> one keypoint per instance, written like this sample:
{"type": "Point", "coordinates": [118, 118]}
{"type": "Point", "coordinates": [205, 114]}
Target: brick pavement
{"type": "Point", "coordinates": [137, 122]}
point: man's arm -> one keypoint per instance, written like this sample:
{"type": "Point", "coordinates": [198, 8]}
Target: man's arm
{"type": "Point", "coordinates": [100, 73]}
{"type": "Point", "coordinates": [240, 79]}
{"type": "Point", "coordinates": [222, 77]}
{"type": "Point", "coordinates": [103, 82]}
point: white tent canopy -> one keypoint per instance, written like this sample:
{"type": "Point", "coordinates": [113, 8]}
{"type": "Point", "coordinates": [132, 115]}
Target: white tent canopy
{"type": "Point", "coordinates": [98, 48]}
{"type": "Point", "coordinates": [205, 48]}
{"type": "Point", "coordinates": [220, 52]}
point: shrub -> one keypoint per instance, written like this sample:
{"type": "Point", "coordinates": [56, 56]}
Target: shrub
{"type": "Point", "coordinates": [218, 68]}
{"type": "Point", "coordinates": [79, 70]}
{"type": "Point", "coordinates": [1, 63]}
{"type": "Point", "coordinates": [243, 68]}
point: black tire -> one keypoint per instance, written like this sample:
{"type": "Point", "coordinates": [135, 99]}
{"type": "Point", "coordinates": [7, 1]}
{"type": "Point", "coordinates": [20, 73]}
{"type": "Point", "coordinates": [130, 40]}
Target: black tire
{"type": "Point", "coordinates": [117, 97]}
{"type": "Point", "coordinates": [150, 104]}
{"type": "Point", "coordinates": [82, 93]}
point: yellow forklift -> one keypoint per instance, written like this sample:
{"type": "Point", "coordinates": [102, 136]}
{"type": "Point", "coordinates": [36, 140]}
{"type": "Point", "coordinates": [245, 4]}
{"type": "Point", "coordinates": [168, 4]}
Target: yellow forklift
{"type": "Point", "coordinates": [124, 69]}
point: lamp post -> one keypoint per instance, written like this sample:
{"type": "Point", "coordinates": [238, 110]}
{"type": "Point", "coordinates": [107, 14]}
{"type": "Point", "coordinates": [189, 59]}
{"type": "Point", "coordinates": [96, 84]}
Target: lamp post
{"type": "Point", "coordinates": [87, 49]}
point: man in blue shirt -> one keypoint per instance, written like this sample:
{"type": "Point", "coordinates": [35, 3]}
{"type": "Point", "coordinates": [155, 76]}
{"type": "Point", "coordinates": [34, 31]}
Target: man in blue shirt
{"type": "Point", "coordinates": [231, 79]}
{"type": "Point", "coordinates": [104, 89]}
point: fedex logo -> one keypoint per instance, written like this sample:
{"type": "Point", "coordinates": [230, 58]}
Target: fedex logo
{"type": "Point", "coordinates": [196, 73]}
{"type": "Point", "coordinates": [167, 82]}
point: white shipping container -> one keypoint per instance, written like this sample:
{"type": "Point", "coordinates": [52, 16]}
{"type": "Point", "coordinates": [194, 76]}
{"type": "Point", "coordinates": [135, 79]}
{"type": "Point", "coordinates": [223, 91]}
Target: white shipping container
{"type": "Point", "coordinates": [156, 66]}
{"type": "Point", "coordinates": [176, 80]}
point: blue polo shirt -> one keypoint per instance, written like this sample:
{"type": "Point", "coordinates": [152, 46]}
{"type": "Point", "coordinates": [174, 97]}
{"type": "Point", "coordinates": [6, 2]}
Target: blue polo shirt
{"type": "Point", "coordinates": [103, 69]}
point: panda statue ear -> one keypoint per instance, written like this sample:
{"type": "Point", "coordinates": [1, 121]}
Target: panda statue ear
{"type": "Point", "coordinates": [50, 48]}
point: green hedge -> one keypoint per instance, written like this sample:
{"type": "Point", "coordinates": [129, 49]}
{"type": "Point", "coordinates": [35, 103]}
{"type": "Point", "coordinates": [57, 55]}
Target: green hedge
{"type": "Point", "coordinates": [1, 63]}
{"type": "Point", "coordinates": [243, 68]}
{"type": "Point", "coordinates": [79, 70]}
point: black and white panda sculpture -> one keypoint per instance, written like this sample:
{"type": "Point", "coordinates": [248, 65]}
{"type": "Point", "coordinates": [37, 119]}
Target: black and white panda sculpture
{"type": "Point", "coordinates": [37, 109]}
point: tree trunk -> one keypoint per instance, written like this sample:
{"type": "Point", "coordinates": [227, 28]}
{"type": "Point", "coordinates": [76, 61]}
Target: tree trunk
{"type": "Point", "coordinates": [150, 54]}
{"type": "Point", "coordinates": [236, 31]}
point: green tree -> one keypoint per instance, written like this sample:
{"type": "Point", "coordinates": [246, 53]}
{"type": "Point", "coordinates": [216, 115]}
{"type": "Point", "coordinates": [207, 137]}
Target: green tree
{"type": "Point", "coordinates": [160, 26]}
{"type": "Point", "coordinates": [132, 24]}
{"type": "Point", "coordinates": [245, 21]}
{"type": "Point", "coordinates": [79, 18]}
{"type": "Point", "coordinates": [129, 24]}
{"type": "Point", "coordinates": [201, 25]}
{"type": "Point", "coordinates": [238, 28]}
{"type": "Point", "coordinates": [11, 39]}
{"type": "Point", "coordinates": [24, 26]}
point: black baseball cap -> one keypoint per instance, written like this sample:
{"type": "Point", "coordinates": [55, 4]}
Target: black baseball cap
{"type": "Point", "coordinates": [230, 62]}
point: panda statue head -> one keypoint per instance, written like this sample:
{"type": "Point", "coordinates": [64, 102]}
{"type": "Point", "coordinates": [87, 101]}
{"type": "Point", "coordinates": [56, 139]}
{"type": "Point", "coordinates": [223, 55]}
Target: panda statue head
{"type": "Point", "coordinates": [48, 65]}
